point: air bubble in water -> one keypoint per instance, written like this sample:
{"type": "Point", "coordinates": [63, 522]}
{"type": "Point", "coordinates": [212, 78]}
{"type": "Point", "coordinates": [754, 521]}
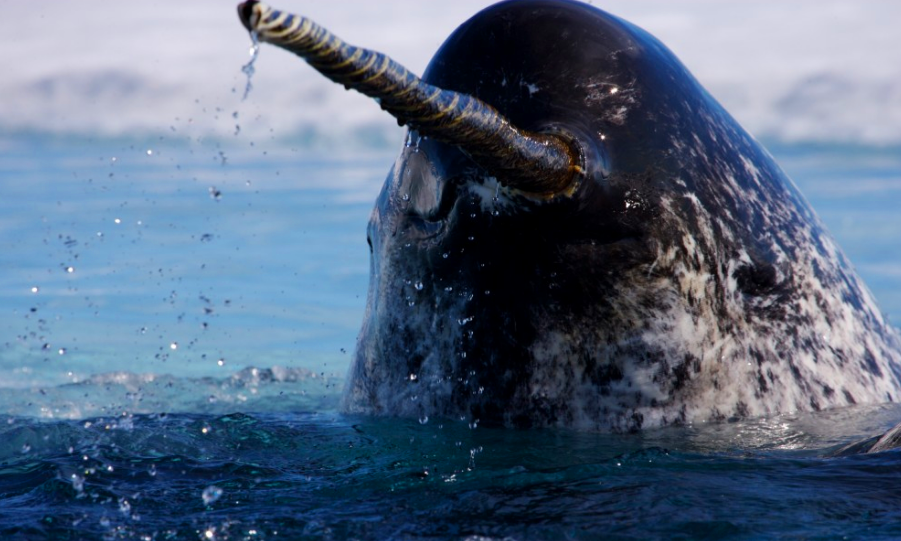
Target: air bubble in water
{"type": "Point", "coordinates": [211, 494]}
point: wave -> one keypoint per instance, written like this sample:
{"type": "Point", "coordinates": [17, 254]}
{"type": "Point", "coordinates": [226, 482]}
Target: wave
{"type": "Point", "coordinates": [124, 394]}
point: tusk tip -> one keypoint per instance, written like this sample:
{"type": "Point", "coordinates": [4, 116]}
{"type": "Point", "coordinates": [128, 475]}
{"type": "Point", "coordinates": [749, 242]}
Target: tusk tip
{"type": "Point", "coordinates": [245, 13]}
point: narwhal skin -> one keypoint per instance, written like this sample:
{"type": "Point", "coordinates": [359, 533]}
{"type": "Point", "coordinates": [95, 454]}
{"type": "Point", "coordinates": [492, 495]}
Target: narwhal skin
{"type": "Point", "coordinates": [577, 234]}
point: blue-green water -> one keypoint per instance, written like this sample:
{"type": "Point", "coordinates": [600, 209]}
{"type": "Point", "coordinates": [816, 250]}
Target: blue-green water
{"type": "Point", "coordinates": [177, 316]}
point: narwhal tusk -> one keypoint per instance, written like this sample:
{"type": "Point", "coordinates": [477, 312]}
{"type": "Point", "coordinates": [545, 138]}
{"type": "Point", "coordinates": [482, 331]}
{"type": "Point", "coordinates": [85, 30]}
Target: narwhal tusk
{"type": "Point", "coordinates": [538, 163]}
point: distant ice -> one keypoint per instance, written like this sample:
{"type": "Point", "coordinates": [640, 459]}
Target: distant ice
{"type": "Point", "coordinates": [788, 70]}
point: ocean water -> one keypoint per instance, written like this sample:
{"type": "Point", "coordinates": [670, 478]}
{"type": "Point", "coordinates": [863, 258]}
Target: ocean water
{"type": "Point", "coordinates": [184, 274]}
{"type": "Point", "coordinates": [177, 316]}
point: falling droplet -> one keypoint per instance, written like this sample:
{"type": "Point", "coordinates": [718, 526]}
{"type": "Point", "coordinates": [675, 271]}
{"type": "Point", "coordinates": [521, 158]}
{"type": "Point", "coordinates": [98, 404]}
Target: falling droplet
{"type": "Point", "coordinates": [418, 286]}
{"type": "Point", "coordinates": [424, 419]}
{"type": "Point", "coordinates": [248, 68]}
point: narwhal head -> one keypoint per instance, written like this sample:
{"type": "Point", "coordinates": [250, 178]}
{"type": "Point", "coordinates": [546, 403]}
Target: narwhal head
{"type": "Point", "coordinates": [510, 243]}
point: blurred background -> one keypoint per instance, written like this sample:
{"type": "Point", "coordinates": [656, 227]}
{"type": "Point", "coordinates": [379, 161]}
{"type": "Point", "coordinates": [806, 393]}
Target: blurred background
{"type": "Point", "coordinates": [796, 71]}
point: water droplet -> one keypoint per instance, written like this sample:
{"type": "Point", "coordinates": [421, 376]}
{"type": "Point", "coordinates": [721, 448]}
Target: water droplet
{"type": "Point", "coordinates": [412, 140]}
{"type": "Point", "coordinates": [77, 483]}
{"type": "Point", "coordinates": [424, 419]}
{"type": "Point", "coordinates": [211, 494]}
{"type": "Point", "coordinates": [150, 152]}
{"type": "Point", "coordinates": [62, 351]}
{"type": "Point", "coordinates": [418, 286]}
{"type": "Point", "coordinates": [406, 197]}
{"type": "Point", "coordinates": [248, 68]}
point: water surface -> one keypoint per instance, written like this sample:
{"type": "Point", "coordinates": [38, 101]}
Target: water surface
{"type": "Point", "coordinates": [177, 316]}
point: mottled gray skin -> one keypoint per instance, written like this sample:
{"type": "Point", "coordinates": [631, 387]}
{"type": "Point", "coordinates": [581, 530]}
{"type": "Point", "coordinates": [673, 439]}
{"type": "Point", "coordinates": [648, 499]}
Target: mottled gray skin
{"type": "Point", "coordinates": [685, 280]}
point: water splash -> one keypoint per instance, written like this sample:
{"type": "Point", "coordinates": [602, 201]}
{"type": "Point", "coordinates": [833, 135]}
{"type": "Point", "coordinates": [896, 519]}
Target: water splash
{"type": "Point", "coordinates": [248, 68]}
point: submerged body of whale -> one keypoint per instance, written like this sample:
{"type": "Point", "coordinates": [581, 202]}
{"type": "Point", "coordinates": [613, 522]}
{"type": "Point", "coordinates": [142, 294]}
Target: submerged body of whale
{"type": "Point", "coordinates": [679, 277]}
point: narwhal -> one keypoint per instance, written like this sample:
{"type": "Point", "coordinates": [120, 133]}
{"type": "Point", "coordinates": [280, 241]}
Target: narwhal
{"type": "Point", "coordinates": [577, 234]}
